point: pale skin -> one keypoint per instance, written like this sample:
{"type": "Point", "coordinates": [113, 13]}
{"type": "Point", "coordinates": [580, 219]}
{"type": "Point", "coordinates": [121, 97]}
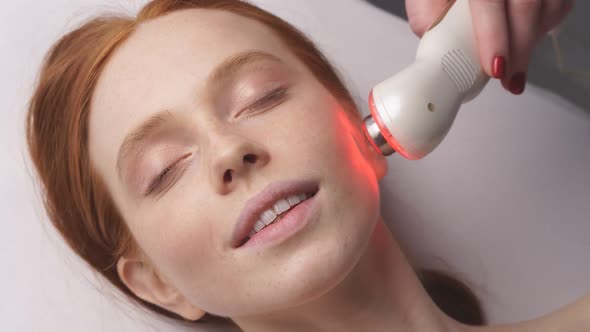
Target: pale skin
{"type": "Point", "coordinates": [343, 272]}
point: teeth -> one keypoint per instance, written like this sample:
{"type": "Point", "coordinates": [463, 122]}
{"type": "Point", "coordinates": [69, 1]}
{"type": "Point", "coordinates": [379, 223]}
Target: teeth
{"type": "Point", "coordinates": [268, 216]}
{"type": "Point", "coordinates": [293, 199]}
{"type": "Point", "coordinates": [281, 206]}
{"type": "Point", "coordinates": [259, 225]}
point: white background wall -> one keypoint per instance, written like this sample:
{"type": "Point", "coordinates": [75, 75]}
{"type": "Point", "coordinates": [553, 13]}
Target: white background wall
{"type": "Point", "coordinates": [504, 201]}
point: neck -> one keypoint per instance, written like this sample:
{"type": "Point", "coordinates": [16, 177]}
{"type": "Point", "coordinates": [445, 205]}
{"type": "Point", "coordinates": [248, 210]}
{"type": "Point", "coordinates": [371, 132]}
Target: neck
{"type": "Point", "coordinates": [382, 293]}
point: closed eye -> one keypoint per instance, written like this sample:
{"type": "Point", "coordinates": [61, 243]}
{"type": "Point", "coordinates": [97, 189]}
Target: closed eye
{"type": "Point", "coordinates": [158, 180]}
{"type": "Point", "coordinates": [270, 99]}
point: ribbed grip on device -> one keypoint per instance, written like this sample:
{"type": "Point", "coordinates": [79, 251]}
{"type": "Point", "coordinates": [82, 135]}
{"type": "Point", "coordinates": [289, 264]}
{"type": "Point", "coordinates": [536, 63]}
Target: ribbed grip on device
{"type": "Point", "coordinates": [460, 69]}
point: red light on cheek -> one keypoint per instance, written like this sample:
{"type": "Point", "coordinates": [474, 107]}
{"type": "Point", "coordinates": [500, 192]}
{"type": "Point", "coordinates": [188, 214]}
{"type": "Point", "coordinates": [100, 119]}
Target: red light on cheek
{"type": "Point", "coordinates": [354, 150]}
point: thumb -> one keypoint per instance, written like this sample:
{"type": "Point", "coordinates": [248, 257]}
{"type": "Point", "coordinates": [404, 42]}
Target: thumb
{"type": "Point", "coordinates": [422, 13]}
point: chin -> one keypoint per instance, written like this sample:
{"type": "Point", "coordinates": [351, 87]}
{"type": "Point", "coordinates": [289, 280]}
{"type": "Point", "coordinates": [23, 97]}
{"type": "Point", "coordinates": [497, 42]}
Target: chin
{"type": "Point", "coordinates": [327, 259]}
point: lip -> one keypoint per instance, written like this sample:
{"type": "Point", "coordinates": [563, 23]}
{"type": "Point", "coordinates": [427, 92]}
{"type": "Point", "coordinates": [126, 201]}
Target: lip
{"type": "Point", "coordinates": [263, 200]}
{"type": "Point", "coordinates": [291, 223]}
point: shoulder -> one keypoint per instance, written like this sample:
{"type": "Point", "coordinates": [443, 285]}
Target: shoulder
{"type": "Point", "coordinates": [574, 317]}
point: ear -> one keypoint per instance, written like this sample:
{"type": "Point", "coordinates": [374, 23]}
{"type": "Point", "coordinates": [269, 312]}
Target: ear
{"type": "Point", "coordinates": [145, 282]}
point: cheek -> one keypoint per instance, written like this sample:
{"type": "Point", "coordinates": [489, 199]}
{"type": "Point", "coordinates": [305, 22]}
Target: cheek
{"type": "Point", "coordinates": [349, 164]}
{"type": "Point", "coordinates": [356, 188]}
{"type": "Point", "coordinates": [180, 241]}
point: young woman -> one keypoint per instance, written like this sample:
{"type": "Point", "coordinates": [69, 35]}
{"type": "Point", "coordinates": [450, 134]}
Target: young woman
{"type": "Point", "coordinates": [207, 160]}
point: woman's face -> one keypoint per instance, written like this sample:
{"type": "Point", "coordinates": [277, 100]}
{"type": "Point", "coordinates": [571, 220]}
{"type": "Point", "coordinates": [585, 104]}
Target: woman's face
{"type": "Point", "coordinates": [267, 106]}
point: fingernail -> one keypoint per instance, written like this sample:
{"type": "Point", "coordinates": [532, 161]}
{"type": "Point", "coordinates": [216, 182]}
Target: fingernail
{"type": "Point", "coordinates": [517, 83]}
{"type": "Point", "coordinates": [499, 67]}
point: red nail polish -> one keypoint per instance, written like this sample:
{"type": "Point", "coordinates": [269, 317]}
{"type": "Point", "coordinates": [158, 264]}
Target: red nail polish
{"type": "Point", "coordinates": [499, 67]}
{"type": "Point", "coordinates": [517, 83]}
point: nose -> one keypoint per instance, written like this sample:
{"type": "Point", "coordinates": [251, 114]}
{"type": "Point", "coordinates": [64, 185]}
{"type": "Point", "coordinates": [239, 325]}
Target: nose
{"type": "Point", "coordinates": [234, 159]}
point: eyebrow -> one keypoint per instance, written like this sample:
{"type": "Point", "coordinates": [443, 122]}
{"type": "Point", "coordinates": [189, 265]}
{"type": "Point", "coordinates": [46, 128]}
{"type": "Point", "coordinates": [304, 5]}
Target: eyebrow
{"type": "Point", "coordinates": [230, 66]}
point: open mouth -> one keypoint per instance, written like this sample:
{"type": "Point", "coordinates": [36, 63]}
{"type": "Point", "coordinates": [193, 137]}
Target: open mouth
{"type": "Point", "coordinates": [276, 214]}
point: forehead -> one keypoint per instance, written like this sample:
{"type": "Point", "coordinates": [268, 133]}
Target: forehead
{"type": "Point", "coordinates": [163, 65]}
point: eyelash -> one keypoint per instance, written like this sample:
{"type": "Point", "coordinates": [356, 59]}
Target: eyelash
{"type": "Point", "coordinates": [155, 183]}
{"type": "Point", "coordinates": [274, 95]}
{"type": "Point", "coordinates": [271, 97]}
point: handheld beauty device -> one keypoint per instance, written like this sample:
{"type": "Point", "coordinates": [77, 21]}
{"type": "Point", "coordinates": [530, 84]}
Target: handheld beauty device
{"type": "Point", "coordinates": [412, 112]}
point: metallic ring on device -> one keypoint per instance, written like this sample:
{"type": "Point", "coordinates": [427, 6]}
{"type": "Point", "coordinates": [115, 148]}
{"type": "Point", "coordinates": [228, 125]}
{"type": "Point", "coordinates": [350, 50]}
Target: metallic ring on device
{"type": "Point", "coordinates": [375, 136]}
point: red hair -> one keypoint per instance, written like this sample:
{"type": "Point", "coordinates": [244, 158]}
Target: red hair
{"type": "Point", "coordinates": [75, 197]}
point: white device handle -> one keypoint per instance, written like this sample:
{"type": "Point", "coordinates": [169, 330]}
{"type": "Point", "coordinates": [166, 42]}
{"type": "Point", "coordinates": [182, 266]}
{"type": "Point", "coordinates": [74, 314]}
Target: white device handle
{"type": "Point", "coordinates": [414, 110]}
{"type": "Point", "coordinates": [452, 40]}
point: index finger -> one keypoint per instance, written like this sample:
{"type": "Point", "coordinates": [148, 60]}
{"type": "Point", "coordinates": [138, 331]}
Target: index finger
{"type": "Point", "coordinates": [422, 13]}
{"type": "Point", "coordinates": [490, 24]}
